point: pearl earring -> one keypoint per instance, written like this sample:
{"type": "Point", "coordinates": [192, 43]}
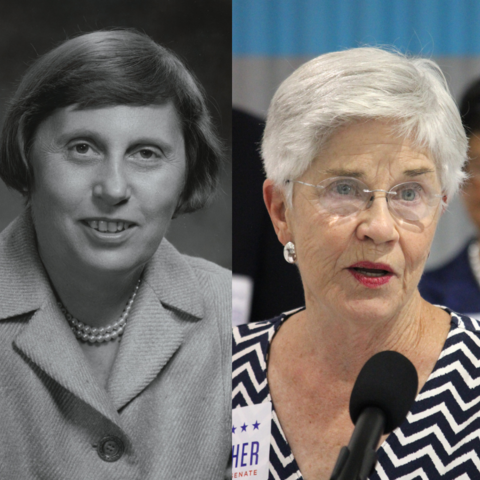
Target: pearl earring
{"type": "Point", "coordinates": [289, 252]}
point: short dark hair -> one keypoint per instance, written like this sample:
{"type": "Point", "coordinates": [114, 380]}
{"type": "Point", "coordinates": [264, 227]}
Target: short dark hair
{"type": "Point", "coordinates": [106, 68]}
{"type": "Point", "coordinates": [470, 108]}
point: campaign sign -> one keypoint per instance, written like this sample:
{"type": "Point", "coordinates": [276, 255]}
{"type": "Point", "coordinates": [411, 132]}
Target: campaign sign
{"type": "Point", "coordinates": [251, 441]}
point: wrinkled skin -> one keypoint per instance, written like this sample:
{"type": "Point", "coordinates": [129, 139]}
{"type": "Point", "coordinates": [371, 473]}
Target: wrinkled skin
{"type": "Point", "coordinates": [327, 245]}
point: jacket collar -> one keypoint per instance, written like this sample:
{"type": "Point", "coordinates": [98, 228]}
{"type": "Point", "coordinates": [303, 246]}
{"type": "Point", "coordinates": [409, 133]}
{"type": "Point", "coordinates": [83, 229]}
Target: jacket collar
{"type": "Point", "coordinates": [24, 284]}
{"type": "Point", "coordinates": [169, 282]}
{"type": "Point", "coordinates": [174, 281]}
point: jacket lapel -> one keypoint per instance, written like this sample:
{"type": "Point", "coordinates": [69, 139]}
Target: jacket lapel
{"type": "Point", "coordinates": [46, 340]}
{"type": "Point", "coordinates": [169, 299]}
{"type": "Point", "coordinates": [151, 338]}
{"type": "Point", "coordinates": [49, 343]}
{"type": "Point", "coordinates": [167, 302]}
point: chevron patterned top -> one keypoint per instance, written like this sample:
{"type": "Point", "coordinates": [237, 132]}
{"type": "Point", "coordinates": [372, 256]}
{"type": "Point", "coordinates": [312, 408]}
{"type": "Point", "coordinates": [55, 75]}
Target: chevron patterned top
{"type": "Point", "coordinates": [440, 438]}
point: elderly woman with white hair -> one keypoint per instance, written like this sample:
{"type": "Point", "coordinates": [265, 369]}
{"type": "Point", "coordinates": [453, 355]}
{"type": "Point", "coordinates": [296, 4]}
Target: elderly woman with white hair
{"type": "Point", "coordinates": [363, 149]}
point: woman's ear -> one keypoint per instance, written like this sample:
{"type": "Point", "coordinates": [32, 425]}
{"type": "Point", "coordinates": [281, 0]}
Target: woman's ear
{"type": "Point", "coordinates": [276, 204]}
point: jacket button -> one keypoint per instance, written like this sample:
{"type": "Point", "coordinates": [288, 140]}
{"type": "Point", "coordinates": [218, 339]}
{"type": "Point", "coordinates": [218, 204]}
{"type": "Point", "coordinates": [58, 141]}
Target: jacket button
{"type": "Point", "coordinates": [110, 448]}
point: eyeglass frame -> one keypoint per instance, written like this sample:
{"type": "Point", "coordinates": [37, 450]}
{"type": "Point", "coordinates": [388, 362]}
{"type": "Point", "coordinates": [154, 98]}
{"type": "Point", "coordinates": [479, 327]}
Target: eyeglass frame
{"type": "Point", "coordinates": [369, 203]}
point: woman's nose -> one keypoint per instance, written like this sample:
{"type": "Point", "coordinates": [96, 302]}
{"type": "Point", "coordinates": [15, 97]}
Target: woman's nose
{"type": "Point", "coordinates": [112, 186]}
{"type": "Point", "coordinates": [377, 223]}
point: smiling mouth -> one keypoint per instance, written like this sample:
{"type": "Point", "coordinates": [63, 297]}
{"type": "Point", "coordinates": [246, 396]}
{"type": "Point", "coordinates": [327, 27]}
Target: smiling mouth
{"type": "Point", "coordinates": [371, 272]}
{"type": "Point", "coordinates": [109, 226]}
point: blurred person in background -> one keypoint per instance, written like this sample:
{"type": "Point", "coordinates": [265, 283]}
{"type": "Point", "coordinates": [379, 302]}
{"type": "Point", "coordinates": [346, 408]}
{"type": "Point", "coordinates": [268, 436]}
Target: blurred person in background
{"type": "Point", "coordinates": [457, 283]}
{"type": "Point", "coordinates": [259, 271]}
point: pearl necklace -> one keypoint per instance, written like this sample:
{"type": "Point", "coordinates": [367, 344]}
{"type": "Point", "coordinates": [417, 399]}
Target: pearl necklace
{"type": "Point", "coordinates": [474, 259]}
{"type": "Point", "coordinates": [104, 334]}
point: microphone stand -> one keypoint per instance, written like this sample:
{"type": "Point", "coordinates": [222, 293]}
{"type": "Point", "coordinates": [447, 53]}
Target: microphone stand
{"type": "Point", "coordinates": [356, 461]}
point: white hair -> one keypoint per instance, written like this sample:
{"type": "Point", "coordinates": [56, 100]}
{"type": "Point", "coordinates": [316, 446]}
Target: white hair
{"type": "Point", "coordinates": [361, 84]}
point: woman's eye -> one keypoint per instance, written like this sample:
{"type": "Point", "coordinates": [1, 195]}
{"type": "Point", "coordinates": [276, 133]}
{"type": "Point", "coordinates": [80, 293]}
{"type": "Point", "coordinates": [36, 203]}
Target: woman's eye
{"type": "Point", "coordinates": [344, 189]}
{"type": "Point", "coordinates": [146, 154]}
{"type": "Point", "coordinates": [82, 148]}
{"type": "Point", "coordinates": [409, 194]}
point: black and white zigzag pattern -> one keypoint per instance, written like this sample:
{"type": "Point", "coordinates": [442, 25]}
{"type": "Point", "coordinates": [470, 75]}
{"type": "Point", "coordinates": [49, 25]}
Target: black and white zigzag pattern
{"type": "Point", "coordinates": [440, 439]}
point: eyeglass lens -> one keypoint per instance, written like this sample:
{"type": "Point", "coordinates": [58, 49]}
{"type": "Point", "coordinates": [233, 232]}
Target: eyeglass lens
{"type": "Point", "coordinates": [411, 201]}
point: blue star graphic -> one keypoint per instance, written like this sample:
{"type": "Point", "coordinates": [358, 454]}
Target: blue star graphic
{"type": "Point", "coordinates": [256, 425]}
{"type": "Point", "coordinates": [244, 427]}
{"type": "Point", "coordinates": [233, 429]}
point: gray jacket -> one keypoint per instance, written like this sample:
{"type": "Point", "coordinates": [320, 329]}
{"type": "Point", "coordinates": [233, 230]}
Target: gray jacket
{"type": "Point", "coordinates": [168, 398]}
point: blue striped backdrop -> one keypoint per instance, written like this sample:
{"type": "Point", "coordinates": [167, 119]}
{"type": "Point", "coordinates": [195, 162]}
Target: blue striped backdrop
{"type": "Point", "coordinates": [311, 27]}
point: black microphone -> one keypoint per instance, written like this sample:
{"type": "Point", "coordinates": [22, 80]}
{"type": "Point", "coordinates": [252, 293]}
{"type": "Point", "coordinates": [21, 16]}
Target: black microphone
{"type": "Point", "coordinates": [381, 398]}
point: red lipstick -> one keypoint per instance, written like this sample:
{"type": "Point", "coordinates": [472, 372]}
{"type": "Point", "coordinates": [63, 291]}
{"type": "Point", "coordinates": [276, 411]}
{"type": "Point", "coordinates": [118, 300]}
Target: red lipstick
{"type": "Point", "coordinates": [371, 275]}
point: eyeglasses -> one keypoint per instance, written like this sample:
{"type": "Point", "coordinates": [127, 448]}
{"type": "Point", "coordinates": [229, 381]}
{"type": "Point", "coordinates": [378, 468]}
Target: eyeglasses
{"type": "Point", "coordinates": [345, 196]}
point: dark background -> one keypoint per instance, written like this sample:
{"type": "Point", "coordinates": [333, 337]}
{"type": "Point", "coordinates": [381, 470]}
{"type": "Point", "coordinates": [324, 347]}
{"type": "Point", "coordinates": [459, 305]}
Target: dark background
{"type": "Point", "coordinates": [199, 31]}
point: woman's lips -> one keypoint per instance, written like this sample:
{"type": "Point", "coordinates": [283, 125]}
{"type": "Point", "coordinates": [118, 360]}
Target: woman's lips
{"type": "Point", "coordinates": [108, 231]}
{"type": "Point", "coordinates": [109, 226]}
{"type": "Point", "coordinates": [371, 275]}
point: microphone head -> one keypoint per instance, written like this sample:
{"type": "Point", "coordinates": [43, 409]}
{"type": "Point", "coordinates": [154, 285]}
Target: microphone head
{"type": "Point", "coordinates": [388, 381]}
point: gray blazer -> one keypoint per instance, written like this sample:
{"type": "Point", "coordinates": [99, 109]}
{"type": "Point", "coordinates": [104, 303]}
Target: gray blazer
{"type": "Point", "coordinates": [168, 397]}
